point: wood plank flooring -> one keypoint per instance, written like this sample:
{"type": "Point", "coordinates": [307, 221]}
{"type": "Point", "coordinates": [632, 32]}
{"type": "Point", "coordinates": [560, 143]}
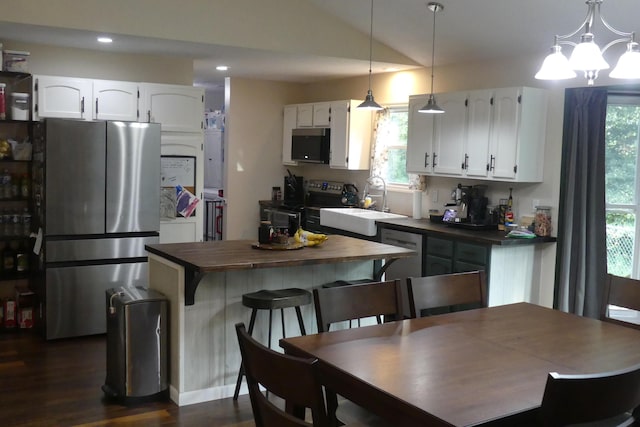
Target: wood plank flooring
{"type": "Point", "coordinates": [58, 383]}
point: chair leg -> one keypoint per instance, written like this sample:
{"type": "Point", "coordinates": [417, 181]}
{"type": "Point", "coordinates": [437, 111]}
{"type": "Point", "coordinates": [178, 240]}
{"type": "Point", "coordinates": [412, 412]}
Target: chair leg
{"type": "Point", "coordinates": [332, 407]}
{"type": "Point", "coordinates": [252, 323]}
{"type": "Point", "coordinates": [270, 319]}
{"type": "Point", "coordinates": [284, 335]}
{"type": "Point", "coordinates": [300, 322]}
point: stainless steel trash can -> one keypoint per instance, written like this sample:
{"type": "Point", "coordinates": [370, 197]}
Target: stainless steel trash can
{"type": "Point", "coordinates": [136, 344]}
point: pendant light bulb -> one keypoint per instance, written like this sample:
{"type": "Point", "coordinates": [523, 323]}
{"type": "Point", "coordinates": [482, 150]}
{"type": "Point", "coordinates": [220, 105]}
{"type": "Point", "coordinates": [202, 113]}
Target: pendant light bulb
{"type": "Point", "coordinates": [369, 103]}
{"type": "Point", "coordinates": [432, 106]}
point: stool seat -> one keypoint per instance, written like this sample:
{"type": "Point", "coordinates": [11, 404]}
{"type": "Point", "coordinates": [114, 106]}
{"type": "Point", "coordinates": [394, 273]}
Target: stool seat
{"type": "Point", "coordinates": [276, 299]}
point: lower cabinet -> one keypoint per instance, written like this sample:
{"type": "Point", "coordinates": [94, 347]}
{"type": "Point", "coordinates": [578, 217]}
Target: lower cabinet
{"type": "Point", "coordinates": [445, 256]}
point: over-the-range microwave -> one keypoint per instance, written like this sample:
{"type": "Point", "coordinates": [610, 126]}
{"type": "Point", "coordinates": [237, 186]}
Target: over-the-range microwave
{"type": "Point", "coordinates": [310, 145]}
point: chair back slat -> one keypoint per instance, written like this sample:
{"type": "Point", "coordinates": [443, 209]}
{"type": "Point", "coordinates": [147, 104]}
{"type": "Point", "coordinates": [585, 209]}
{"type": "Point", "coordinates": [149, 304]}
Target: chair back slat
{"type": "Point", "coordinates": [446, 290]}
{"type": "Point", "coordinates": [574, 399]}
{"type": "Point", "coordinates": [356, 302]}
{"type": "Point", "coordinates": [621, 292]}
{"type": "Point", "coordinates": [293, 379]}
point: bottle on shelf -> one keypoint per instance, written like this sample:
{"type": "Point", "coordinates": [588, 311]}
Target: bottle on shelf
{"type": "Point", "coordinates": [8, 259]}
{"type": "Point", "coordinates": [3, 104]}
{"type": "Point", "coordinates": [508, 216]}
{"type": "Point", "coordinates": [6, 185]}
{"type": "Point", "coordinates": [22, 258]}
{"type": "Point", "coordinates": [25, 186]}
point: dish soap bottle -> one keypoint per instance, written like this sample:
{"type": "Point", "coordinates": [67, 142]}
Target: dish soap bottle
{"type": "Point", "coordinates": [508, 215]}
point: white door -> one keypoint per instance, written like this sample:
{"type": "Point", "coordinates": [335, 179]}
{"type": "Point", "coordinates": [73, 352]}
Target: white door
{"type": "Point", "coordinates": [177, 108]}
{"type": "Point", "coordinates": [213, 158]}
{"type": "Point", "coordinates": [478, 133]}
{"type": "Point", "coordinates": [420, 137]}
{"type": "Point", "coordinates": [305, 115]}
{"type": "Point", "coordinates": [322, 114]}
{"type": "Point", "coordinates": [62, 97]}
{"type": "Point", "coordinates": [450, 134]}
{"type": "Point", "coordinates": [115, 100]}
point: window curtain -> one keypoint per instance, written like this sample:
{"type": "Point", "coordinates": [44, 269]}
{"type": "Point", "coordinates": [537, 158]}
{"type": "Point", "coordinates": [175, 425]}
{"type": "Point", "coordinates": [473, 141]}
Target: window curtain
{"type": "Point", "coordinates": [581, 259]}
{"type": "Point", "coordinates": [382, 131]}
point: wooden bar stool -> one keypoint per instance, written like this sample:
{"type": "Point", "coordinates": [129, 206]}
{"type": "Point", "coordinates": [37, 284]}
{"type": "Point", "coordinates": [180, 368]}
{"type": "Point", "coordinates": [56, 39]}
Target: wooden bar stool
{"type": "Point", "coordinates": [273, 300]}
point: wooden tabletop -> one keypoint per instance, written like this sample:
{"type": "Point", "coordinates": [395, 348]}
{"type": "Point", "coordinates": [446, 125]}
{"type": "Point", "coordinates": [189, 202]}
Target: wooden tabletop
{"type": "Point", "coordinates": [223, 255]}
{"type": "Point", "coordinates": [465, 368]}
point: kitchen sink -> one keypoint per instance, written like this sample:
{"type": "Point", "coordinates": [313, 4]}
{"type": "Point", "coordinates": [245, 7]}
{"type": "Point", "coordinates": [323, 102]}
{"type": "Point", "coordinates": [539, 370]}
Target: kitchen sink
{"type": "Point", "coordinates": [360, 221]}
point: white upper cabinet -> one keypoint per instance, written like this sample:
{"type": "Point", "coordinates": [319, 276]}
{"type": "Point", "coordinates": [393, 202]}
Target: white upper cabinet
{"type": "Point", "coordinates": [493, 134]}
{"type": "Point", "coordinates": [177, 108]}
{"type": "Point", "coordinates": [518, 135]}
{"type": "Point", "coordinates": [115, 100]}
{"type": "Point", "coordinates": [314, 115]}
{"type": "Point", "coordinates": [350, 139]}
{"type": "Point", "coordinates": [420, 137]}
{"type": "Point", "coordinates": [450, 134]}
{"type": "Point", "coordinates": [350, 136]}
{"type": "Point", "coordinates": [289, 123]}
{"type": "Point", "coordinates": [63, 97]}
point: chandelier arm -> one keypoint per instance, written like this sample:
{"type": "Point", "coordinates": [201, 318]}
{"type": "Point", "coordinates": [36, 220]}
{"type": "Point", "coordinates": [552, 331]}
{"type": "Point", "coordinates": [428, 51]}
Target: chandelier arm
{"type": "Point", "coordinates": [588, 22]}
{"type": "Point", "coordinates": [610, 28]}
{"type": "Point", "coordinates": [614, 42]}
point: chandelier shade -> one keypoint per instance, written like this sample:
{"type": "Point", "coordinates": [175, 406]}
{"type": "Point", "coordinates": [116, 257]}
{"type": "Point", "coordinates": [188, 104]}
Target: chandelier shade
{"type": "Point", "coordinates": [369, 103]}
{"type": "Point", "coordinates": [587, 56]}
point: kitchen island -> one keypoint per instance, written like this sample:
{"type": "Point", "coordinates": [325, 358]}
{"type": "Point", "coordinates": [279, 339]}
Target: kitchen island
{"type": "Point", "coordinates": [204, 283]}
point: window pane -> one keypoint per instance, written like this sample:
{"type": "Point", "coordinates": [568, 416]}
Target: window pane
{"type": "Point", "coordinates": [397, 170]}
{"type": "Point", "coordinates": [620, 243]}
{"type": "Point", "coordinates": [621, 153]}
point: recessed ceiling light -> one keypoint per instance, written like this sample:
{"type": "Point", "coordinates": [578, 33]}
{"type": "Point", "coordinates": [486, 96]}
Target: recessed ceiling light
{"type": "Point", "coordinates": [105, 39]}
{"type": "Point", "coordinates": [222, 68]}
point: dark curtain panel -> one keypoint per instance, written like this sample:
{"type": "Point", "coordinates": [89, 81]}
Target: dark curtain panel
{"type": "Point", "coordinates": [581, 261]}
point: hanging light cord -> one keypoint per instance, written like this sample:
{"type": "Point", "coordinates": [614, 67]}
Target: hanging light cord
{"type": "Point", "coordinates": [370, 42]}
{"type": "Point", "coordinates": [434, 8]}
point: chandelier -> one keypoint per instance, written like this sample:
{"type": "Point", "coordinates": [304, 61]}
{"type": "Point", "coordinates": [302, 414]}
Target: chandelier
{"type": "Point", "coordinates": [587, 55]}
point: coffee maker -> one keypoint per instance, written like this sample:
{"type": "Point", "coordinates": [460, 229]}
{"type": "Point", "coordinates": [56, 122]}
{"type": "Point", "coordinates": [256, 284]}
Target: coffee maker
{"type": "Point", "coordinates": [471, 202]}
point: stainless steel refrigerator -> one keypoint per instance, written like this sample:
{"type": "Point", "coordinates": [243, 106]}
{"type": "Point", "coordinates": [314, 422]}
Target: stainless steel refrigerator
{"type": "Point", "coordinates": [100, 206]}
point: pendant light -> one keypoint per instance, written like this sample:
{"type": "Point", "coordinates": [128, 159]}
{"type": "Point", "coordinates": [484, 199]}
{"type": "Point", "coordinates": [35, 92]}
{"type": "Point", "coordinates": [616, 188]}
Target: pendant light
{"type": "Point", "coordinates": [431, 106]}
{"type": "Point", "coordinates": [587, 55]}
{"type": "Point", "coordinates": [369, 103]}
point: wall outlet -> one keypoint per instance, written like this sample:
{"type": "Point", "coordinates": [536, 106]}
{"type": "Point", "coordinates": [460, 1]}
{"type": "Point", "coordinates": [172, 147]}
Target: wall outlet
{"type": "Point", "coordinates": [434, 195]}
{"type": "Point", "coordinates": [534, 203]}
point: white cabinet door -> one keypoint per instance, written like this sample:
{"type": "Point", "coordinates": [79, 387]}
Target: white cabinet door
{"type": "Point", "coordinates": [322, 114]}
{"type": "Point", "coordinates": [115, 100]}
{"type": "Point", "coordinates": [177, 108]}
{"type": "Point", "coordinates": [478, 133]}
{"type": "Point", "coordinates": [62, 97]}
{"type": "Point", "coordinates": [419, 137]}
{"type": "Point", "coordinates": [505, 133]}
{"type": "Point", "coordinates": [518, 136]}
{"type": "Point", "coordinates": [305, 115]}
{"type": "Point", "coordinates": [350, 136]}
{"type": "Point", "coordinates": [450, 134]}
{"type": "Point", "coordinates": [289, 123]}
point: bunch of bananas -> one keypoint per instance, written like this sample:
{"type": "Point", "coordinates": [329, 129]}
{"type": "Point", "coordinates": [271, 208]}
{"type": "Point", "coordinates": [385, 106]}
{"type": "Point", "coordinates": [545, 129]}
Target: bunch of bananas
{"type": "Point", "coordinates": [308, 238]}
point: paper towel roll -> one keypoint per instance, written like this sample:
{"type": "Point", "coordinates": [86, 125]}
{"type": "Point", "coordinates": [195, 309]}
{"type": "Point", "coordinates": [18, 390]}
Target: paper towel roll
{"type": "Point", "coordinates": [417, 204]}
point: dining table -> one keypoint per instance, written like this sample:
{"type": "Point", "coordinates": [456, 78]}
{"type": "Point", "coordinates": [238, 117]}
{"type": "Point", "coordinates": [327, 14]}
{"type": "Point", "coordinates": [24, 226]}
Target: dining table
{"type": "Point", "coordinates": [486, 366]}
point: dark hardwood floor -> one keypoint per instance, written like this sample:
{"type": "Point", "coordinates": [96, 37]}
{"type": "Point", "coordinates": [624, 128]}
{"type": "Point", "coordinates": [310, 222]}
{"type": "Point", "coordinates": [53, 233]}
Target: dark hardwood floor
{"type": "Point", "coordinates": [58, 383]}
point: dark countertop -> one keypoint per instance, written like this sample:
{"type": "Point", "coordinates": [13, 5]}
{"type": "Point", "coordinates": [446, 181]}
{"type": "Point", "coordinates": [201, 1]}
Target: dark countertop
{"type": "Point", "coordinates": [492, 237]}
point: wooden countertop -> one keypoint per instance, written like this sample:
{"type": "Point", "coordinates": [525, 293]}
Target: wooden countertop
{"type": "Point", "coordinates": [200, 258]}
{"type": "Point", "coordinates": [492, 237]}
{"type": "Point", "coordinates": [224, 255]}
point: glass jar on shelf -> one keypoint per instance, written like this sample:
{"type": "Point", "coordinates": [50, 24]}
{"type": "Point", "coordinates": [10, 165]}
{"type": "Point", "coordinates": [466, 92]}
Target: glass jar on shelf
{"type": "Point", "coordinates": [543, 221]}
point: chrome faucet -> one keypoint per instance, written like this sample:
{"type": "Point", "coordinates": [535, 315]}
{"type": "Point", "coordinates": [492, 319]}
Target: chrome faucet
{"type": "Point", "coordinates": [370, 181]}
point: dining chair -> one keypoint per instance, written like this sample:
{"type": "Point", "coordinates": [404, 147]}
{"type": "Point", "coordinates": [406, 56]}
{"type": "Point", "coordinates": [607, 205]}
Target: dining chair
{"type": "Point", "coordinates": [622, 292]}
{"type": "Point", "coordinates": [357, 301]}
{"type": "Point", "coordinates": [607, 399]}
{"type": "Point", "coordinates": [454, 291]}
{"type": "Point", "coordinates": [293, 379]}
